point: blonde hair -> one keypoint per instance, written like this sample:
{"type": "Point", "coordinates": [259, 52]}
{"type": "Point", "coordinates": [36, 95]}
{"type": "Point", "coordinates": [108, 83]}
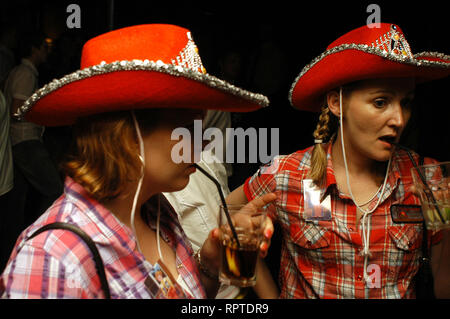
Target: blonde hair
{"type": "Point", "coordinates": [105, 152]}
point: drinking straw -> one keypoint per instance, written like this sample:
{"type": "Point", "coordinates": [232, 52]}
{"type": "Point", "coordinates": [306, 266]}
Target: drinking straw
{"type": "Point", "coordinates": [222, 199]}
{"type": "Point", "coordinates": [428, 191]}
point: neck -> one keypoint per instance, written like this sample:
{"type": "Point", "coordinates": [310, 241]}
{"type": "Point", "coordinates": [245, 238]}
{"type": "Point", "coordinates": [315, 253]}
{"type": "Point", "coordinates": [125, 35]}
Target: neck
{"type": "Point", "coordinates": [358, 164]}
{"type": "Point", "coordinates": [122, 206]}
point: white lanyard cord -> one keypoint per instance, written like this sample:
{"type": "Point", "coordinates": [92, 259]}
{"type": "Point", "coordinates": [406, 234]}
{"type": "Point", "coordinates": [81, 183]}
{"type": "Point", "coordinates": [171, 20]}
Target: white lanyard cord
{"type": "Point", "coordinates": [366, 213]}
{"type": "Point", "coordinates": [138, 189]}
{"type": "Point", "coordinates": [157, 230]}
{"type": "Point", "coordinates": [133, 211]}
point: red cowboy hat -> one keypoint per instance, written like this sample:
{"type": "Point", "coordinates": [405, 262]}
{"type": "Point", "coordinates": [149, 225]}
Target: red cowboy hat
{"type": "Point", "coordinates": [364, 53]}
{"type": "Point", "coordinates": [144, 66]}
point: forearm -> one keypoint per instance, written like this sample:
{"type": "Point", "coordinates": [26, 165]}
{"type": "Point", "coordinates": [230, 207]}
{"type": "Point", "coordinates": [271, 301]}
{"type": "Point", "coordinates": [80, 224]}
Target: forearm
{"type": "Point", "coordinates": [208, 265]}
{"type": "Point", "coordinates": [209, 259]}
{"type": "Point", "coordinates": [237, 197]}
{"type": "Point", "coordinates": [265, 287]}
{"type": "Point", "coordinates": [440, 262]}
{"type": "Point", "coordinates": [210, 285]}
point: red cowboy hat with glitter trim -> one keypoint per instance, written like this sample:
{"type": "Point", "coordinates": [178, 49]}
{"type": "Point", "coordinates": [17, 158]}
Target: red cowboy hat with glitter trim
{"type": "Point", "coordinates": [364, 53]}
{"type": "Point", "coordinates": [144, 66]}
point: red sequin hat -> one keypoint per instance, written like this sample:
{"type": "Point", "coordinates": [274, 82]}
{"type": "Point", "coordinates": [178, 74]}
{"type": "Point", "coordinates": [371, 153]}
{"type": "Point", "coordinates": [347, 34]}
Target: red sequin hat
{"type": "Point", "coordinates": [364, 53]}
{"type": "Point", "coordinates": [144, 66]}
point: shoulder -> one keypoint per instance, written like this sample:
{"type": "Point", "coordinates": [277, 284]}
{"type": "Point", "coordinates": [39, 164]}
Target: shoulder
{"type": "Point", "coordinates": [298, 160]}
{"type": "Point", "coordinates": [22, 71]}
{"type": "Point", "coordinates": [62, 244]}
{"type": "Point", "coordinates": [35, 273]}
{"type": "Point", "coordinates": [53, 264]}
{"type": "Point", "coordinates": [294, 162]}
{"type": "Point", "coordinates": [22, 81]}
{"type": "Point", "coordinates": [283, 172]}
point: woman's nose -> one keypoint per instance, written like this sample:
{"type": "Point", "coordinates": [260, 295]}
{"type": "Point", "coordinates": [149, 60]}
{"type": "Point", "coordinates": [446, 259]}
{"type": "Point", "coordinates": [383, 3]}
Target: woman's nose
{"type": "Point", "coordinates": [398, 117]}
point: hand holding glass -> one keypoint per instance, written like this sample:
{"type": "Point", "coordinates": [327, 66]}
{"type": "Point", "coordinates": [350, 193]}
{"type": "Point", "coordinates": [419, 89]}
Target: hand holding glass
{"type": "Point", "coordinates": [432, 183]}
{"type": "Point", "coordinates": [239, 256]}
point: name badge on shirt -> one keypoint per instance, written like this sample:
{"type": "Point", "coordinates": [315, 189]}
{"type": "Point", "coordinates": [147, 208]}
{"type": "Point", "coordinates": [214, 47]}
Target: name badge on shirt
{"type": "Point", "coordinates": [161, 284]}
{"type": "Point", "coordinates": [314, 207]}
{"type": "Point", "coordinates": [406, 214]}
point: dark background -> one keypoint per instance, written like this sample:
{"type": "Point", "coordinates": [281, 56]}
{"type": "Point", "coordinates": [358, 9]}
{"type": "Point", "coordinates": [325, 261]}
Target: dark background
{"type": "Point", "coordinates": [297, 31]}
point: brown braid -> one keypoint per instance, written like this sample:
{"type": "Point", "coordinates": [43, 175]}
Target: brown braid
{"type": "Point", "coordinates": [319, 156]}
{"type": "Point", "coordinates": [322, 129]}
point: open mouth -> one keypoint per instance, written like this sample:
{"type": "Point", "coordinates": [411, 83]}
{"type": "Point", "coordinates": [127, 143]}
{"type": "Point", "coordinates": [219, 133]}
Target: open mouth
{"type": "Point", "coordinates": [390, 139]}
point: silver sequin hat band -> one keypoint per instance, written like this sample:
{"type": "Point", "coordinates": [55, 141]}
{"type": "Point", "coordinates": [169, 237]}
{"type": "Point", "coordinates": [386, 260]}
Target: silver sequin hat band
{"type": "Point", "coordinates": [385, 53]}
{"type": "Point", "coordinates": [177, 80]}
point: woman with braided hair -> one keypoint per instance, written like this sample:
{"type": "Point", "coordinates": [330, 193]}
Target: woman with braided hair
{"type": "Point", "coordinates": [334, 198]}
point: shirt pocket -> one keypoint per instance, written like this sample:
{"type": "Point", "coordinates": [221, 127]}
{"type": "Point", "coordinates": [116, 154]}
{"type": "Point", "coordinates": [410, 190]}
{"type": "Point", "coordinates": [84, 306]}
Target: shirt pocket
{"type": "Point", "coordinates": [403, 255]}
{"type": "Point", "coordinates": [310, 236]}
{"type": "Point", "coordinates": [311, 245]}
{"type": "Point", "coordinates": [407, 238]}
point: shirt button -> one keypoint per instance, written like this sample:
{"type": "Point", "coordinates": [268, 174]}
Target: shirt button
{"type": "Point", "coordinates": [350, 228]}
{"type": "Point", "coordinates": [359, 277]}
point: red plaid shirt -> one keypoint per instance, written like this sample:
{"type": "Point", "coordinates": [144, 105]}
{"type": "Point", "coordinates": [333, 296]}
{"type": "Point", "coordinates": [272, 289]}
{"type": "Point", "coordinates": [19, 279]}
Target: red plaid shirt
{"type": "Point", "coordinates": [322, 259]}
{"type": "Point", "coordinates": [57, 263]}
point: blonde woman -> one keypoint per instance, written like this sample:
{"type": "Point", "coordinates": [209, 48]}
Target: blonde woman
{"type": "Point", "coordinates": [334, 198]}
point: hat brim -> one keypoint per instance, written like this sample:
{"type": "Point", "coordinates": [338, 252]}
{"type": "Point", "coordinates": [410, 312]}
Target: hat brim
{"type": "Point", "coordinates": [334, 69]}
{"type": "Point", "coordinates": [130, 85]}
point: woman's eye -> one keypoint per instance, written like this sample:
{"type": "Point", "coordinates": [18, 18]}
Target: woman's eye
{"type": "Point", "coordinates": [379, 103]}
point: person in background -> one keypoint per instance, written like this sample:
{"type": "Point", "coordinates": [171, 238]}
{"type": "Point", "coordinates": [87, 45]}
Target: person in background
{"type": "Point", "coordinates": [6, 176]}
{"type": "Point", "coordinates": [8, 43]}
{"type": "Point", "coordinates": [35, 173]}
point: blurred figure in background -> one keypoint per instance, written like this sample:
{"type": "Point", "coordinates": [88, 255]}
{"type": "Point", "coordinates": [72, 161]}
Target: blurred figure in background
{"type": "Point", "coordinates": [34, 169]}
{"type": "Point", "coordinates": [6, 174]}
{"type": "Point", "coordinates": [8, 42]}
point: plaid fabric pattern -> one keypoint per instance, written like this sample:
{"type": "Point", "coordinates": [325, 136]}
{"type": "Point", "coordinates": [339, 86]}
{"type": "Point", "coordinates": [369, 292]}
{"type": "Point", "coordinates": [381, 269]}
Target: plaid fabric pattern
{"type": "Point", "coordinates": [322, 259]}
{"type": "Point", "coordinates": [57, 264]}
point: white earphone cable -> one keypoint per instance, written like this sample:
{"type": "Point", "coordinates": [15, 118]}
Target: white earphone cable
{"type": "Point", "coordinates": [366, 213]}
{"type": "Point", "coordinates": [138, 189]}
{"type": "Point", "coordinates": [157, 230]}
{"type": "Point", "coordinates": [133, 211]}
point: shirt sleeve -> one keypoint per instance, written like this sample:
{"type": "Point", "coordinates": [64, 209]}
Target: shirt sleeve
{"type": "Point", "coordinates": [35, 274]}
{"type": "Point", "coordinates": [263, 182]}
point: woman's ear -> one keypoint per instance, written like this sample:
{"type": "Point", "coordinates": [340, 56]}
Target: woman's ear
{"type": "Point", "coordinates": [333, 102]}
